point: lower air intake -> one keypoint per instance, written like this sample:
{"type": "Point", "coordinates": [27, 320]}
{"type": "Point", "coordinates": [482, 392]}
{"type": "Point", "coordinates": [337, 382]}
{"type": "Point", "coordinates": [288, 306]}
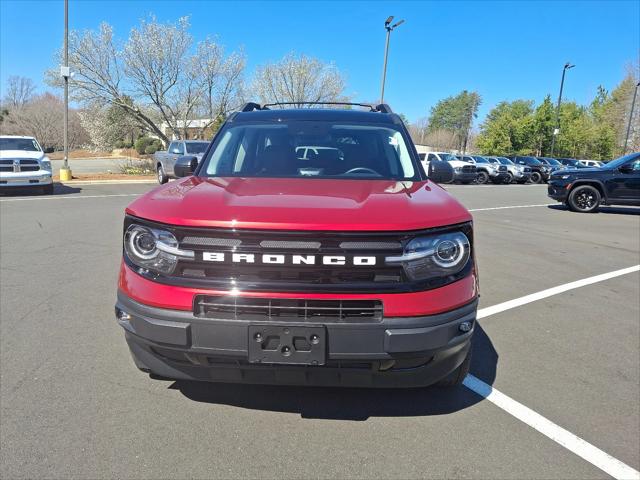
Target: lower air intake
{"type": "Point", "coordinates": [288, 310]}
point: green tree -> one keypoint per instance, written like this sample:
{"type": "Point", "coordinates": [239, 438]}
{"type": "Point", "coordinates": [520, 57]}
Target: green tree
{"type": "Point", "coordinates": [543, 125]}
{"type": "Point", "coordinates": [508, 128]}
{"type": "Point", "coordinates": [455, 114]}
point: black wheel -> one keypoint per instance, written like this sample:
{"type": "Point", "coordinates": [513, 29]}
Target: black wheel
{"type": "Point", "coordinates": [482, 178]}
{"type": "Point", "coordinates": [584, 198]}
{"type": "Point", "coordinates": [509, 179]}
{"type": "Point", "coordinates": [536, 177]}
{"type": "Point", "coordinates": [48, 189]}
{"type": "Point", "coordinates": [456, 377]}
{"type": "Point", "coordinates": [162, 177]}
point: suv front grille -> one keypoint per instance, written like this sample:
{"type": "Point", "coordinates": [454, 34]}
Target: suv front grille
{"type": "Point", "coordinates": [469, 169]}
{"type": "Point", "coordinates": [287, 276]}
{"type": "Point", "coordinates": [502, 168]}
{"type": "Point", "coordinates": [233, 307]}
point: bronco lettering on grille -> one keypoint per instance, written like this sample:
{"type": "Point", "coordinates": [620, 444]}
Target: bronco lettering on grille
{"type": "Point", "coordinates": [282, 259]}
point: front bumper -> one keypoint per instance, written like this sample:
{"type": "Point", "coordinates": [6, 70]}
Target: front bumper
{"type": "Point", "coordinates": [558, 190]}
{"type": "Point", "coordinates": [395, 352]}
{"type": "Point", "coordinates": [464, 176]}
{"type": "Point", "coordinates": [499, 177]}
{"type": "Point", "coordinates": [25, 179]}
{"type": "Point", "coordinates": [521, 176]}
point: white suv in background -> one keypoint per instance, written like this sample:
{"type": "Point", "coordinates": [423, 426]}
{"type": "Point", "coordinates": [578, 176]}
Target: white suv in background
{"type": "Point", "coordinates": [463, 172]}
{"type": "Point", "coordinates": [24, 164]}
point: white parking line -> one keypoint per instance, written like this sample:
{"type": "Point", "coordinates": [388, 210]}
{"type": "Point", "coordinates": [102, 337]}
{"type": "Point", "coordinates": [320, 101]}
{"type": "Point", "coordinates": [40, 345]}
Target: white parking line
{"type": "Point", "coordinates": [571, 442]}
{"type": "Point", "coordinates": [510, 206]}
{"type": "Point", "coordinates": [70, 197]}
{"type": "Point", "coordinates": [501, 307]}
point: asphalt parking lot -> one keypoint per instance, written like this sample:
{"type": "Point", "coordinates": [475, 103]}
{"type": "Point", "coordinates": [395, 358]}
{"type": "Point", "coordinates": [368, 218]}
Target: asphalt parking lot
{"type": "Point", "coordinates": [74, 406]}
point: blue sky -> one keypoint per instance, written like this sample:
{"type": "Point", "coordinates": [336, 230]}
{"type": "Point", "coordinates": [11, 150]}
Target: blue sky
{"type": "Point", "coordinates": [504, 50]}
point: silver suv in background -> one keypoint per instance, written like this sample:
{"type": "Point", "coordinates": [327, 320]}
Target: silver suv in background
{"type": "Point", "coordinates": [166, 160]}
{"type": "Point", "coordinates": [487, 171]}
{"type": "Point", "coordinates": [24, 164]}
{"type": "Point", "coordinates": [517, 173]}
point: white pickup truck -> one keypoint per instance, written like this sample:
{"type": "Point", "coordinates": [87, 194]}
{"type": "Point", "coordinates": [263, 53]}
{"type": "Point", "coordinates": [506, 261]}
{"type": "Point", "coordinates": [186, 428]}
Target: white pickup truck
{"type": "Point", "coordinates": [24, 164]}
{"type": "Point", "coordinates": [166, 160]}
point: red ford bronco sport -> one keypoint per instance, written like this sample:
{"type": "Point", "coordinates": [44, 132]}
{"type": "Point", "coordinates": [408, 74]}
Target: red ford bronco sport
{"type": "Point", "coordinates": [307, 247]}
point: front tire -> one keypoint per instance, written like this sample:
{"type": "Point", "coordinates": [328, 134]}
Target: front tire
{"type": "Point", "coordinates": [584, 199]}
{"type": "Point", "coordinates": [162, 177]}
{"type": "Point", "coordinates": [536, 177]}
{"type": "Point", "coordinates": [482, 178]}
{"type": "Point", "coordinates": [456, 377]}
{"type": "Point", "coordinates": [509, 179]}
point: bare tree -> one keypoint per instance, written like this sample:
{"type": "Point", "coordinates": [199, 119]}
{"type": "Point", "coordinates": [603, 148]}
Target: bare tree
{"type": "Point", "coordinates": [442, 139]}
{"type": "Point", "coordinates": [418, 130]}
{"type": "Point", "coordinates": [298, 79]}
{"type": "Point", "coordinates": [42, 119]}
{"type": "Point", "coordinates": [153, 77]}
{"type": "Point", "coordinates": [19, 91]}
{"type": "Point", "coordinates": [222, 86]}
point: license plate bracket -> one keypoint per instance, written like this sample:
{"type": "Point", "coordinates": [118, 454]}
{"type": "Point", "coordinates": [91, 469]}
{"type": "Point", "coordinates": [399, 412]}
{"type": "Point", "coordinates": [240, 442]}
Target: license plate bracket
{"type": "Point", "coordinates": [287, 344]}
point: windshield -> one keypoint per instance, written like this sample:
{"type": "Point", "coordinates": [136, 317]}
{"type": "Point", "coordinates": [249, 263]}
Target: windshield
{"type": "Point", "coordinates": [196, 147]}
{"type": "Point", "coordinates": [505, 161]}
{"type": "Point", "coordinates": [447, 157]}
{"type": "Point", "coordinates": [619, 161]}
{"type": "Point", "coordinates": [552, 161]}
{"type": "Point", "coordinates": [531, 160]}
{"type": "Point", "coordinates": [480, 160]}
{"type": "Point", "coordinates": [310, 149]}
{"type": "Point", "coordinates": [26, 144]}
{"type": "Point", "coordinates": [492, 160]}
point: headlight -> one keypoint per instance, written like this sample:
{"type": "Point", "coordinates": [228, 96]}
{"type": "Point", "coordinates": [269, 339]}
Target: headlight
{"type": "Point", "coordinates": [458, 169]}
{"type": "Point", "coordinates": [153, 249]}
{"type": "Point", "coordinates": [45, 165]}
{"type": "Point", "coordinates": [434, 256]}
{"type": "Point", "coordinates": [564, 177]}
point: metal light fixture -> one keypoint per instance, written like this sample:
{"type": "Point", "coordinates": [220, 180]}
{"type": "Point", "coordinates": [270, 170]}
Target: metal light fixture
{"type": "Point", "coordinates": [389, 28]}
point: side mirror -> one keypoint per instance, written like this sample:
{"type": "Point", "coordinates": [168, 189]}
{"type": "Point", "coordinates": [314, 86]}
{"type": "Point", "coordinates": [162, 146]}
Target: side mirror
{"type": "Point", "coordinates": [185, 166]}
{"type": "Point", "coordinates": [440, 172]}
{"type": "Point", "coordinates": [626, 168]}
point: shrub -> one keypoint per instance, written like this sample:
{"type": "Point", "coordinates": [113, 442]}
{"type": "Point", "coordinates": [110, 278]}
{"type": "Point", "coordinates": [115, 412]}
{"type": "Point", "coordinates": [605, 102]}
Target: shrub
{"type": "Point", "coordinates": [151, 149]}
{"type": "Point", "coordinates": [137, 167]}
{"type": "Point", "coordinates": [142, 143]}
{"type": "Point", "coordinates": [119, 144]}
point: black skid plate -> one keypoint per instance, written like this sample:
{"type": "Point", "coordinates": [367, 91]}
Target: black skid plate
{"type": "Point", "coordinates": [287, 344]}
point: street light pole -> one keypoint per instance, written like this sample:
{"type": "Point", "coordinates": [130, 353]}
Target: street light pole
{"type": "Point", "coordinates": [556, 130]}
{"type": "Point", "coordinates": [389, 28]}
{"type": "Point", "coordinates": [633, 105]}
{"type": "Point", "coordinates": [66, 84]}
{"type": "Point", "coordinates": [65, 171]}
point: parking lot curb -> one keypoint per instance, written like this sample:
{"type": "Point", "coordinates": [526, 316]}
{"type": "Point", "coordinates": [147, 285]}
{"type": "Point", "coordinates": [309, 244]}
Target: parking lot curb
{"type": "Point", "coordinates": [106, 182]}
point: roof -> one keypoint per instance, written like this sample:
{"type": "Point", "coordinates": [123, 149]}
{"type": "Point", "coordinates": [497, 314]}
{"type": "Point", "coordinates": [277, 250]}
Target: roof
{"type": "Point", "coordinates": [17, 136]}
{"type": "Point", "coordinates": [323, 114]}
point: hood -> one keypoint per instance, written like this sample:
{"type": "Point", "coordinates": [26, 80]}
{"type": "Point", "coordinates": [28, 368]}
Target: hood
{"type": "Point", "coordinates": [579, 171]}
{"type": "Point", "coordinates": [460, 163]}
{"type": "Point", "coordinates": [300, 204]}
{"type": "Point", "coordinates": [21, 154]}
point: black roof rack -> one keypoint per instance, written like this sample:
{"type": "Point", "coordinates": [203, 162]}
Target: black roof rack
{"type": "Point", "coordinates": [251, 106]}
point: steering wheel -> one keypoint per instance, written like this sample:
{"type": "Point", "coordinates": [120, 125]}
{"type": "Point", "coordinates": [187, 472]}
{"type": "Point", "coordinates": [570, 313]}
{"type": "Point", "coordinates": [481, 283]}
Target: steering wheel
{"type": "Point", "coordinates": [361, 170]}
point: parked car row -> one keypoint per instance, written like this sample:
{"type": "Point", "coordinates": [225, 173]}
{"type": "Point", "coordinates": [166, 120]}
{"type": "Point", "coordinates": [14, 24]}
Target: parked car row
{"type": "Point", "coordinates": [521, 169]}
